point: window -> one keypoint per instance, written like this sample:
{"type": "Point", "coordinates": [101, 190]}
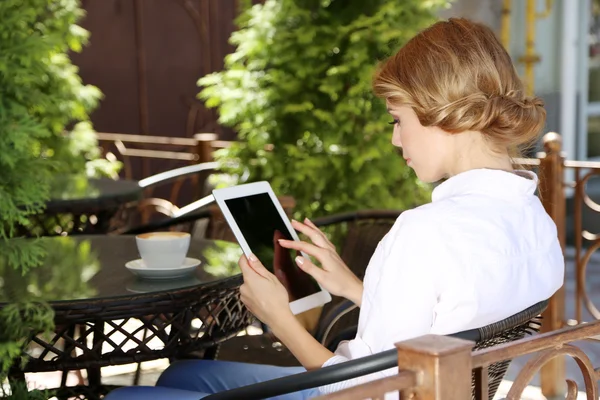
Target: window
{"type": "Point", "coordinates": [594, 53]}
{"type": "Point", "coordinates": [592, 113]}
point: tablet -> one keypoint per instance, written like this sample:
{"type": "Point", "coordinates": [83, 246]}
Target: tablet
{"type": "Point", "coordinates": [257, 220]}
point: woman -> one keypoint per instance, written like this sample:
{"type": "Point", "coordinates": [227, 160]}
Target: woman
{"type": "Point", "coordinates": [482, 250]}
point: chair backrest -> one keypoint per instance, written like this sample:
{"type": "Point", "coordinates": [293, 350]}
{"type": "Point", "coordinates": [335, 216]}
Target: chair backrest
{"type": "Point", "coordinates": [512, 328]}
{"type": "Point", "coordinates": [137, 152]}
{"type": "Point", "coordinates": [143, 212]}
{"type": "Point", "coordinates": [189, 214]}
{"type": "Point", "coordinates": [198, 173]}
{"type": "Point", "coordinates": [360, 232]}
{"type": "Point", "coordinates": [357, 234]}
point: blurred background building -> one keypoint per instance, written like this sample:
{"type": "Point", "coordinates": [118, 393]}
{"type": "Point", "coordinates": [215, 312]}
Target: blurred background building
{"type": "Point", "coordinates": [148, 58]}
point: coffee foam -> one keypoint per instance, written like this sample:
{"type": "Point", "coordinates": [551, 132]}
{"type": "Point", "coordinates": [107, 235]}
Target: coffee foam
{"type": "Point", "coordinates": [163, 235]}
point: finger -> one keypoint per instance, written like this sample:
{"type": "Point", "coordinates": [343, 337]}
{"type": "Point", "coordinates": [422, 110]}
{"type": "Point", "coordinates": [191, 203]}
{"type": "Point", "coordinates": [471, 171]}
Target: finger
{"type": "Point", "coordinates": [307, 230]}
{"type": "Point", "coordinates": [243, 289]}
{"type": "Point", "coordinates": [315, 235]}
{"type": "Point", "coordinates": [308, 248]}
{"type": "Point", "coordinates": [310, 223]}
{"type": "Point", "coordinates": [318, 237]}
{"type": "Point", "coordinates": [310, 268]}
{"type": "Point", "coordinates": [257, 266]}
{"type": "Point", "coordinates": [247, 269]}
{"type": "Point", "coordinates": [245, 266]}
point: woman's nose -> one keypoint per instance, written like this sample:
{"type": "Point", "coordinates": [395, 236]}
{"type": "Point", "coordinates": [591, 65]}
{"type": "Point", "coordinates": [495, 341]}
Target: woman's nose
{"type": "Point", "coordinates": [396, 138]}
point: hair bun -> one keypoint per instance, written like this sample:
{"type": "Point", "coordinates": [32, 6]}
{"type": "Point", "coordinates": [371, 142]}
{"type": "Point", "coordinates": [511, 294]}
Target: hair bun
{"type": "Point", "coordinates": [532, 102]}
{"type": "Point", "coordinates": [476, 88]}
{"type": "Point", "coordinates": [509, 120]}
{"type": "Point", "coordinates": [512, 119]}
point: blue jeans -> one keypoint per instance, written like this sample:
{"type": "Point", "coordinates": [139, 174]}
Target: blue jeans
{"type": "Point", "coordinates": [194, 379]}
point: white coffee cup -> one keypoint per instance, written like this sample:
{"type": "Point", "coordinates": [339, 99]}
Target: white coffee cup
{"type": "Point", "coordinates": [163, 249]}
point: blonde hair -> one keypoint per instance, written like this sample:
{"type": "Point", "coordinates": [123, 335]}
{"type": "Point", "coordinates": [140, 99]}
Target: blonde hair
{"type": "Point", "coordinates": [457, 76]}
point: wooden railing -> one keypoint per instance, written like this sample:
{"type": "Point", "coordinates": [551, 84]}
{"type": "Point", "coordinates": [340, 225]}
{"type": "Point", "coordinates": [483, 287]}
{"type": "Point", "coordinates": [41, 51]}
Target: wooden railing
{"type": "Point", "coordinates": [127, 147]}
{"type": "Point", "coordinates": [440, 368]}
{"type": "Point", "coordinates": [553, 170]}
{"type": "Point", "coordinates": [144, 156]}
{"type": "Point", "coordinates": [586, 243]}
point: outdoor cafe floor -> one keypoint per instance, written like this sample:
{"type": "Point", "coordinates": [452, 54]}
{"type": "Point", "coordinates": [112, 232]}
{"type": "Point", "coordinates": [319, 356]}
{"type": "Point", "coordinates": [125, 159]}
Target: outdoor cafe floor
{"type": "Point", "coordinates": [123, 375]}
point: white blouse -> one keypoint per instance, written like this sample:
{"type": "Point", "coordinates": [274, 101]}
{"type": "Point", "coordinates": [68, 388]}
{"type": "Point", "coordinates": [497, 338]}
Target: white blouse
{"type": "Point", "coordinates": [482, 250]}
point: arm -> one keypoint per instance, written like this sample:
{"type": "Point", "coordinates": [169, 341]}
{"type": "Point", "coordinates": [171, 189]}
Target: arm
{"type": "Point", "coordinates": [401, 294]}
{"type": "Point", "coordinates": [355, 292]}
{"type": "Point", "coordinates": [274, 310]}
{"type": "Point", "coordinates": [306, 349]}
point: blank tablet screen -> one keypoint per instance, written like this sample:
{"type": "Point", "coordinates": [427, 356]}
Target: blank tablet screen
{"type": "Point", "coordinates": [260, 223]}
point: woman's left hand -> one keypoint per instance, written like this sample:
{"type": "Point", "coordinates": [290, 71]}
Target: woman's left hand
{"type": "Point", "coordinates": [262, 293]}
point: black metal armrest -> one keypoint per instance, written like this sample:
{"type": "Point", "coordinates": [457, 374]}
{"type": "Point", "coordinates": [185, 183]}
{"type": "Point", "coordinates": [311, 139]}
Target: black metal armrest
{"type": "Point", "coordinates": [355, 216]}
{"type": "Point", "coordinates": [370, 364]}
{"type": "Point", "coordinates": [323, 376]}
{"type": "Point", "coordinates": [312, 379]}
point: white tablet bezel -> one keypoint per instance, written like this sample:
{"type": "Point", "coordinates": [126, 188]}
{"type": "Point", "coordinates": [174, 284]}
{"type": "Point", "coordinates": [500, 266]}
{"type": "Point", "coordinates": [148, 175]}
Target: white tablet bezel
{"type": "Point", "coordinates": [221, 195]}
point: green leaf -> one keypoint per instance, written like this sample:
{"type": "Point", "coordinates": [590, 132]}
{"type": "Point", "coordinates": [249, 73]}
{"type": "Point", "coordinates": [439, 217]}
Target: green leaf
{"type": "Point", "coordinates": [42, 96]}
{"type": "Point", "coordinates": [299, 79]}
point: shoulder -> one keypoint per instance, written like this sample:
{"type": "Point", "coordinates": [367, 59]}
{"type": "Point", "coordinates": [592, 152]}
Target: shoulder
{"type": "Point", "coordinates": [425, 213]}
{"type": "Point", "coordinates": [428, 218]}
{"type": "Point", "coordinates": [417, 230]}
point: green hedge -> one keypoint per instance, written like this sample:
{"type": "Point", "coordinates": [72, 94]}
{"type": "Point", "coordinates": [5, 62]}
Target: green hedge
{"type": "Point", "coordinates": [44, 130]}
{"type": "Point", "coordinates": [300, 80]}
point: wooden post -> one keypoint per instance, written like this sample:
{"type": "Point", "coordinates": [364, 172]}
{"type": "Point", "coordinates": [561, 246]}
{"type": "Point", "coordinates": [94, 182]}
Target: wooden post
{"type": "Point", "coordinates": [204, 147]}
{"type": "Point", "coordinates": [444, 365]}
{"type": "Point", "coordinates": [552, 194]}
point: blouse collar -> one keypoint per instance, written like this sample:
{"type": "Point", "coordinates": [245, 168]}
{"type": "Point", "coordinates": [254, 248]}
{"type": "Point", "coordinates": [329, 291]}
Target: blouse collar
{"type": "Point", "coordinates": [491, 182]}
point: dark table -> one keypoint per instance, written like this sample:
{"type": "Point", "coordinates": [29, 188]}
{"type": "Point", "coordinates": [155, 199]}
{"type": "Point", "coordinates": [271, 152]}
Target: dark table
{"type": "Point", "coordinates": [82, 205]}
{"type": "Point", "coordinates": [104, 315]}
{"type": "Point", "coordinates": [79, 191]}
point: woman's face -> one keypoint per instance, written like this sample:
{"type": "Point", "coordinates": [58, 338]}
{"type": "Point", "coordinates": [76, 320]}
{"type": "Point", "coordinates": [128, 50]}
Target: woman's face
{"type": "Point", "coordinates": [425, 149]}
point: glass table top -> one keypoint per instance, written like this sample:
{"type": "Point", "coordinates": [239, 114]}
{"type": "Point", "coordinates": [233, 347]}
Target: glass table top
{"type": "Point", "coordinates": [77, 187]}
{"type": "Point", "coordinates": [93, 267]}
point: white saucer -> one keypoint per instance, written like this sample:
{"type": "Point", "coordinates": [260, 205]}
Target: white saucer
{"type": "Point", "coordinates": [138, 268]}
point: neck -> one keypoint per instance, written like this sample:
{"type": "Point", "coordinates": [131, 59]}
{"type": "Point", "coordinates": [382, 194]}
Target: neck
{"type": "Point", "coordinates": [476, 153]}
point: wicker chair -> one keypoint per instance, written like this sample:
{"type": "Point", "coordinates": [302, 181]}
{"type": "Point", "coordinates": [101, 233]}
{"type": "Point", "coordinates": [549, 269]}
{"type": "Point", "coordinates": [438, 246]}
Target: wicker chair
{"type": "Point", "coordinates": [142, 213]}
{"type": "Point", "coordinates": [181, 219]}
{"type": "Point", "coordinates": [513, 328]}
{"type": "Point", "coordinates": [361, 232]}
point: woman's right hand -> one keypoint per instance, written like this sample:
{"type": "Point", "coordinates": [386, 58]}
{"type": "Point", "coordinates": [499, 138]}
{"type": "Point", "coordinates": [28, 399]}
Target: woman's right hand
{"type": "Point", "coordinates": [334, 276]}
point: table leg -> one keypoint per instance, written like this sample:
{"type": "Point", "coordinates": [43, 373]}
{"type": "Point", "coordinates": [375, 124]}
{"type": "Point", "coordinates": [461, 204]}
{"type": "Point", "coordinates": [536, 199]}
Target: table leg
{"type": "Point", "coordinates": [94, 373]}
{"type": "Point", "coordinates": [103, 223]}
{"type": "Point", "coordinates": [16, 377]}
{"type": "Point", "coordinates": [138, 371]}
